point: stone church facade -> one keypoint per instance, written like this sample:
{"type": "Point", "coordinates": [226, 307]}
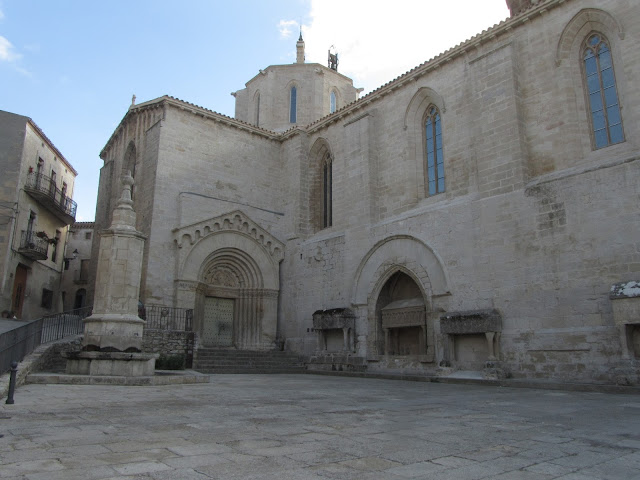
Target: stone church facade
{"type": "Point", "coordinates": [471, 214]}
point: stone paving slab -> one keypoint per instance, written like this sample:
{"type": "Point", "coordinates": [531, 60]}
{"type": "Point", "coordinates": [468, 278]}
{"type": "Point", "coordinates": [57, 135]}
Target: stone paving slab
{"type": "Point", "coordinates": [317, 427]}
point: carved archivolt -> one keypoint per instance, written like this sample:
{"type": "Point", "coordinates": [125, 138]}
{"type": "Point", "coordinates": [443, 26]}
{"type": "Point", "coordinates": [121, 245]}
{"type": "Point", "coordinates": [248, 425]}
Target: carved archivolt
{"type": "Point", "coordinates": [235, 221]}
{"type": "Point", "coordinates": [231, 268]}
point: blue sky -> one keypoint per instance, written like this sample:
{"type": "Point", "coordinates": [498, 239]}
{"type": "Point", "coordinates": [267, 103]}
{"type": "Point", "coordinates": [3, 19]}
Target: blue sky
{"type": "Point", "coordinates": [72, 66]}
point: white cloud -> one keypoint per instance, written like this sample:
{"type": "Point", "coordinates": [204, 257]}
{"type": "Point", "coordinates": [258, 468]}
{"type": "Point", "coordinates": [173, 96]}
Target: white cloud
{"type": "Point", "coordinates": [7, 52]}
{"type": "Point", "coordinates": [375, 45]}
{"type": "Point", "coordinates": [286, 27]}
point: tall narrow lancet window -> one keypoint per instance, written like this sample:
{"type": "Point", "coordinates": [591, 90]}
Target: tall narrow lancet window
{"type": "Point", "coordinates": [327, 191]}
{"type": "Point", "coordinates": [293, 112]}
{"type": "Point", "coordinates": [257, 110]}
{"type": "Point", "coordinates": [606, 122]}
{"type": "Point", "coordinates": [332, 102]}
{"type": "Point", "coordinates": [433, 151]}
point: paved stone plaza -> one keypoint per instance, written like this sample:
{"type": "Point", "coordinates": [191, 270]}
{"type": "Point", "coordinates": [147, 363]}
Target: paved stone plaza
{"type": "Point", "coordinates": [317, 427]}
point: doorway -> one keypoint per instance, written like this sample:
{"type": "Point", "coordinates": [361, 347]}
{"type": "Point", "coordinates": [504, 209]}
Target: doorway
{"type": "Point", "coordinates": [217, 328]}
{"type": "Point", "coordinates": [19, 288]}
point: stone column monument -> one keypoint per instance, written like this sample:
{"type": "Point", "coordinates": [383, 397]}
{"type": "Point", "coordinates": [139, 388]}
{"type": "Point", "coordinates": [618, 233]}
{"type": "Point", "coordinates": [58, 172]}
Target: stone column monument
{"type": "Point", "coordinates": [112, 343]}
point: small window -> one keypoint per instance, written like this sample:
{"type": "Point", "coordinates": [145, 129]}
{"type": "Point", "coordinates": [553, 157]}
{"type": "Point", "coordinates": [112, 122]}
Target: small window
{"type": "Point", "coordinates": [47, 299]}
{"type": "Point", "coordinates": [293, 112]}
{"type": "Point", "coordinates": [87, 235]}
{"type": "Point", "coordinates": [433, 151]}
{"type": "Point", "coordinates": [332, 102]}
{"type": "Point", "coordinates": [604, 107]}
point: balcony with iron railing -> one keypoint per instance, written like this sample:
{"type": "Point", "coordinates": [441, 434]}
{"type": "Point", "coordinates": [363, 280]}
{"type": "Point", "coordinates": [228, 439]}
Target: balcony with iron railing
{"type": "Point", "coordinates": [45, 190]}
{"type": "Point", "coordinates": [32, 246]}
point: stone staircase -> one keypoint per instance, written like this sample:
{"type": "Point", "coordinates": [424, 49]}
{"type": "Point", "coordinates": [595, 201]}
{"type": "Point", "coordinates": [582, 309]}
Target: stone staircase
{"type": "Point", "coordinates": [217, 360]}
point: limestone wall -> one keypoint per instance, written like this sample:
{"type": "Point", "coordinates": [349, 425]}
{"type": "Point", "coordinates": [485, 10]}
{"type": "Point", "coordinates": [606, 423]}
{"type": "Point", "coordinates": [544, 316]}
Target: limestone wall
{"type": "Point", "coordinates": [206, 169]}
{"type": "Point", "coordinates": [534, 221]}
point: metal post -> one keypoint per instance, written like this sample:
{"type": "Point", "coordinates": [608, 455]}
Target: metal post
{"type": "Point", "coordinates": [12, 382]}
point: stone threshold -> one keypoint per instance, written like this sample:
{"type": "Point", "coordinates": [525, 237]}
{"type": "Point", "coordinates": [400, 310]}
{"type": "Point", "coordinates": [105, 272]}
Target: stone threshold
{"type": "Point", "coordinates": [161, 377]}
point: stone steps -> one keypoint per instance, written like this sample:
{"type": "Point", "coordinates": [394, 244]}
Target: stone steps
{"type": "Point", "coordinates": [213, 360]}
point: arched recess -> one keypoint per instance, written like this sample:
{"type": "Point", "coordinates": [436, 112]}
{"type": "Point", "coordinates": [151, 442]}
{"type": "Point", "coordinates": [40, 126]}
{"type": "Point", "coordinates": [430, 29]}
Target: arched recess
{"type": "Point", "coordinates": [231, 262]}
{"type": "Point", "coordinates": [406, 255]}
{"type": "Point", "coordinates": [414, 122]}
{"type": "Point", "coordinates": [401, 250]}
{"type": "Point", "coordinates": [320, 178]}
{"type": "Point", "coordinates": [586, 20]}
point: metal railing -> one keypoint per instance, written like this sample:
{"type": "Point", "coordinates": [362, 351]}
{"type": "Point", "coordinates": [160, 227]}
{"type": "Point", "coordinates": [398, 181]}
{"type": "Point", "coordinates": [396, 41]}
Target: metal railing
{"type": "Point", "coordinates": [60, 325]}
{"type": "Point", "coordinates": [32, 245]}
{"type": "Point", "coordinates": [19, 342]}
{"type": "Point", "coordinates": [44, 185]}
{"type": "Point", "coordinates": [160, 317]}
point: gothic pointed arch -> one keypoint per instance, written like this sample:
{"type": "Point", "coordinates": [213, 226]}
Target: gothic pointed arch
{"type": "Point", "coordinates": [586, 20]}
{"type": "Point", "coordinates": [600, 92]}
{"type": "Point", "coordinates": [423, 124]}
{"type": "Point", "coordinates": [320, 173]}
{"type": "Point", "coordinates": [396, 281]}
{"type": "Point", "coordinates": [403, 251]}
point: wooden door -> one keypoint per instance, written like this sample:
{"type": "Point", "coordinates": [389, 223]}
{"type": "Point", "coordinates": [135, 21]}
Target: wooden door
{"type": "Point", "coordinates": [19, 287]}
{"type": "Point", "coordinates": [217, 330]}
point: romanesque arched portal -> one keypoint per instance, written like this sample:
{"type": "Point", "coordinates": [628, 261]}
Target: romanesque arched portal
{"type": "Point", "coordinates": [228, 272]}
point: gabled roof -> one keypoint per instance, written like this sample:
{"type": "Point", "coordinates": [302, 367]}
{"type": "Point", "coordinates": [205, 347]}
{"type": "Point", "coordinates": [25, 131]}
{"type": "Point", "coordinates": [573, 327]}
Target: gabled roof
{"type": "Point", "coordinates": [191, 107]}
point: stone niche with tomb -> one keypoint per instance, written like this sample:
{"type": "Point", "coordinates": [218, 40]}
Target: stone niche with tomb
{"type": "Point", "coordinates": [471, 338]}
{"type": "Point", "coordinates": [625, 302]}
{"type": "Point", "coordinates": [404, 323]}
{"type": "Point", "coordinates": [335, 329]}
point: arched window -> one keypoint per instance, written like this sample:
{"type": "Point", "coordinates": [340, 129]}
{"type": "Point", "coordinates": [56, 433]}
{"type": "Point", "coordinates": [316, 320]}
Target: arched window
{"type": "Point", "coordinates": [293, 105]}
{"type": "Point", "coordinates": [606, 122]}
{"type": "Point", "coordinates": [332, 102]}
{"type": "Point", "coordinates": [327, 191]}
{"type": "Point", "coordinates": [433, 151]}
{"type": "Point", "coordinates": [258, 110]}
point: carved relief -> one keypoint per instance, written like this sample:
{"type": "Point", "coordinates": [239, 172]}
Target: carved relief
{"type": "Point", "coordinates": [221, 277]}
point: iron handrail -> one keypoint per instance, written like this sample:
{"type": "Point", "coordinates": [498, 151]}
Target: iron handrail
{"type": "Point", "coordinates": [46, 185]}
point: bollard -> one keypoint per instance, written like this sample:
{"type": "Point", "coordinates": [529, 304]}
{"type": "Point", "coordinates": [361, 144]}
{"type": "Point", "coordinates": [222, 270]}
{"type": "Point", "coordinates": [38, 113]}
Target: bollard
{"type": "Point", "coordinates": [12, 383]}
